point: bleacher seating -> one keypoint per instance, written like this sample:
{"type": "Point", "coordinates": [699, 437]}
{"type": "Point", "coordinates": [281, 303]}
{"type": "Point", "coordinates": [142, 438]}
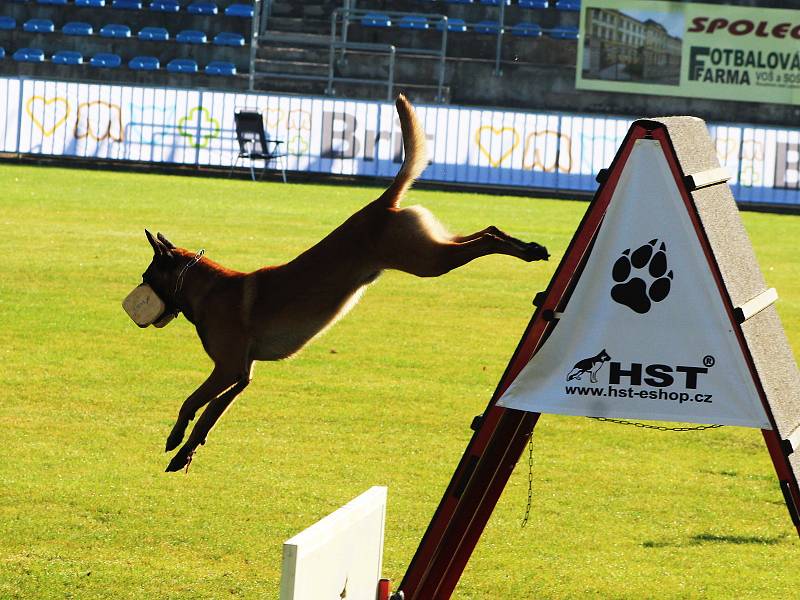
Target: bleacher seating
{"type": "Point", "coordinates": [29, 55]}
{"type": "Point", "coordinates": [218, 67]}
{"type": "Point", "coordinates": [244, 11]}
{"type": "Point", "coordinates": [115, 30]}
{"type": "Point", "coordinates": [526, 29]}
{"type": "Point", "coordinates": [376, 20]}
{"type": "Point", "coordinates": [564, 33]}
{"type": "Point", "coordinates": [168, 6]}
{"type": "Point", "coordinates": [487, 27]}
{"type": "Point", "coordinates": [106, 60]}
{"type": "Point", "coordinates": [155, 34]}
{"type": "Point", "coordinates": [413, 22]}
{"type": "Point", "coordinates": [182, 65]}
{"type": "Point", "coordinates": [212, 35]}
{"type": "Point", "coordinates": [534, 4]}
{"type": "Point", "coordinates": [39, 26]}
{"type": "Point", "coordinates": [67, 57]}
{"type": "Point", "coordinates": [191, 36]}
{"type": "Point", "coordinates": [568, 5]}
{"type": "Point", "coordinates": [228, 39]}
{"type": "Point", "coordinates": [452, 25]}
{"type": "Point", "coordinates": [127, 4]}
{"type": "Point", "coordinates": [202, 8]}
{"type": "Point", "coordinates": [77, 28]}
{"type": "Point", "coordinates": [144, 63]}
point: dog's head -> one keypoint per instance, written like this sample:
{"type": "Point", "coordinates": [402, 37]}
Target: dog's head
{"type": "Point", "coordinates": [162, 271]}
{"type": "Point", "coordinates": [153, 302]}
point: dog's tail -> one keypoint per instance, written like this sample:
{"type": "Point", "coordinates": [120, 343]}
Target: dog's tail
{"type": "Point", "coordinates": [416, 155]}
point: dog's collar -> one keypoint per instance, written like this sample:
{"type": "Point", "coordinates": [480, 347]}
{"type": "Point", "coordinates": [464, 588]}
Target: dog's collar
{"type": "Point", "coordinates": [187, 311]}
{"type": "Point", "coordinates": [171, 304]}
{"type": "Point", "coordinates": [186, 267]}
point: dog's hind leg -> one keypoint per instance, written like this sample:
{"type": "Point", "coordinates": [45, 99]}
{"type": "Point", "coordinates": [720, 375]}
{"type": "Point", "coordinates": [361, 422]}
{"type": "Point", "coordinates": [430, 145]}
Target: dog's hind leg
{"type": "Point", "coordinates": [436, 258]}
{"type": "Point", "coordinates": [217, 382]}
{"type": "Point", "coordinates": [215, 409]}
{"type": "Point", "coordinates": [414, 241]}
{"type": "Point", "coordinates": [499, 233]}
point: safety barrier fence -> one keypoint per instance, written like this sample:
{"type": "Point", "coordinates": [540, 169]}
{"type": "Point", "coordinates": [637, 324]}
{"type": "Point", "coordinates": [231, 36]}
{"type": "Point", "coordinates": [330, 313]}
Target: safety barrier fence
{"type": "Point", "coordinates": [468, 146]}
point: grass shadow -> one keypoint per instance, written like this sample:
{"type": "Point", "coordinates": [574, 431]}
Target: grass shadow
{"type": "Point", "coordinates": [713, 538]}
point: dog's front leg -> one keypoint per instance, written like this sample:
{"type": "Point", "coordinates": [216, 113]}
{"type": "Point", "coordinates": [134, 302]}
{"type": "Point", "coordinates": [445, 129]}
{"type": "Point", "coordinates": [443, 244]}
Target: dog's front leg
{"type": "Point", "coordinates": [217, 382]}
{"type": "Point", "coordinates": [215, 409]}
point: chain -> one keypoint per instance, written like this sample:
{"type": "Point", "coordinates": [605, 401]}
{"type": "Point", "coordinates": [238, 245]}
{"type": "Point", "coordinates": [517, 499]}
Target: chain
{"type": "Point", "coordinates": [656, 427]}
{"type": "Point", "coordinates": [607, 420]}
{"type": "Point", "coordinates": [530, 482]}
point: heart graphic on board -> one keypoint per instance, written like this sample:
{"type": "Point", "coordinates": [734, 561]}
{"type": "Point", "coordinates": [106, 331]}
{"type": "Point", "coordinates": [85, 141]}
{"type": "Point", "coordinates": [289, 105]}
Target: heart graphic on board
{"type": "Point", "coordinates": [38, 110]}
{"type": "Point", "coordinates": [506, 146]}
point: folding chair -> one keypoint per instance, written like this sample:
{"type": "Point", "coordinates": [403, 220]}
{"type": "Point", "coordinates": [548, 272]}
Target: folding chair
{"type": "Point", "coordinates": [254, 143]}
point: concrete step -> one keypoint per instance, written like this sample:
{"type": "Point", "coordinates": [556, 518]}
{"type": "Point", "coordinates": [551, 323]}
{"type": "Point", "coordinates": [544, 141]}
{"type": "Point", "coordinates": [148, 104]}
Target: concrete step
{"type": "Point", "coordinates": [291, 67]}
{"type": "Point", "coordinates": [418, 94]}
{"type": "Point", "coordinates": [298, 25]}
{"type": "Point", "coordinates": [319, 55]}
{"type": "Point", "coordinates": [267, 82]}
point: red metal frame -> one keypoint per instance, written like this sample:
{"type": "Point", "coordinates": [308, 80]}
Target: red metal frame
{"type": "Point", "coordinates": [502, 433]}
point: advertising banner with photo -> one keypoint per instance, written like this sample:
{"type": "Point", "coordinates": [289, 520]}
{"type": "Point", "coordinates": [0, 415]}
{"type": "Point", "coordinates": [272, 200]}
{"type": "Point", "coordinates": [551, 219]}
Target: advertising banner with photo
{"type": "Point", "coordinates": [693, 50]}
{"type": "Point", "coordinates": [471, 146]}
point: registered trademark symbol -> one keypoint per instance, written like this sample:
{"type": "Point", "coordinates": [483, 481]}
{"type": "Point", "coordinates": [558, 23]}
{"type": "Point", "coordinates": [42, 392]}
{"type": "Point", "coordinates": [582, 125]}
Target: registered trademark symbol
{"type": "Point", "coordinates": [709, 360]}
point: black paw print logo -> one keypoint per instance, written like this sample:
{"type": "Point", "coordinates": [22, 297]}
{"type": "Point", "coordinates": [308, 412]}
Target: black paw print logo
{"type": "Point", "coordinates": [641, 277]}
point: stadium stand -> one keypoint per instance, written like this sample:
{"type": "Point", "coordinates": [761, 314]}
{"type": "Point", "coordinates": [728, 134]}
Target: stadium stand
{"type": "Point", "coordinates": [135, 32]}
{"type": "Point", "coordinates": [405, 38]}
{"type": "Point", "coordinates": [484, 38]}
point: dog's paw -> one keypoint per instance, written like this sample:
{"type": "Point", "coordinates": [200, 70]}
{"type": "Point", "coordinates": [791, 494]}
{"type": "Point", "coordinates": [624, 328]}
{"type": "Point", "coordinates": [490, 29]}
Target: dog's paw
{"type": "Point", "coordinates": [174, 439]}
{"type": "Point", "coordinates": [536, 251]}
{"type": "Point", "coordinates": [180, 461]}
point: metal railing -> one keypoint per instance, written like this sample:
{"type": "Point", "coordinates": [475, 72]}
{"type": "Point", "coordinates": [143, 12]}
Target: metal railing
{"type": "Point", "coordinates": [346, 14]}
{"type": "Point", "coordinates": [331, 78]}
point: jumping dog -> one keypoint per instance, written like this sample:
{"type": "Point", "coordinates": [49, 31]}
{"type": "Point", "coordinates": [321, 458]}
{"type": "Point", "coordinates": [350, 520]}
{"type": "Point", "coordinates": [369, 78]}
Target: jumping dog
{"type": "Point", "coordinates": [271, 313]}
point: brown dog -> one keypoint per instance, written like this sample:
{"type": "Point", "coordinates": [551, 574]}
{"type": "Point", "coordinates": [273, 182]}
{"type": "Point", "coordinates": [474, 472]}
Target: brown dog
{"type": "Point", "coordinates": [273, 312]}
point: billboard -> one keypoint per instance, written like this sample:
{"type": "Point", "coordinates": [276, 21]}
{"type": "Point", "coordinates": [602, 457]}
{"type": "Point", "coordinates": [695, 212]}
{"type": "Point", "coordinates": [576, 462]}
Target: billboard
{"type": "Point", "coordinates": [694, 50]}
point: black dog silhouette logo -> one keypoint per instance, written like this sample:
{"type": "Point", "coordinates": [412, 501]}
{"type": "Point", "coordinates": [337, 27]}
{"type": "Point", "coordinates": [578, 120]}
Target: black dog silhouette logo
{"type": "Point", "coordinates": [589, 365]}
{"type": "Point", "coordinates": [641, 277]}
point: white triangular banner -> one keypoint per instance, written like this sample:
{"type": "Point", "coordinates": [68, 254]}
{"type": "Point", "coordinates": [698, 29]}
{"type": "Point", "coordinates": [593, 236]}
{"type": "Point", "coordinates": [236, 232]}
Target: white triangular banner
{"type": "Point", "coordinates": [645, 334]}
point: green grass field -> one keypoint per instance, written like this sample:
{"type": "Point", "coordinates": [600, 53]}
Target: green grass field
{"type": "Point", "coordinates": [386, 397]}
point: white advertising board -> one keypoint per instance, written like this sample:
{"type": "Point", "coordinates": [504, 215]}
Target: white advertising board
{"type": "Point", "coordinates": [361, 138]}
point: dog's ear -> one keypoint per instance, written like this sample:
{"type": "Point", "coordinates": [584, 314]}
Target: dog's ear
{"type": "Point", "coordinates": [159, 249]}
{"type": "Point", "coordinates": [165, 241]}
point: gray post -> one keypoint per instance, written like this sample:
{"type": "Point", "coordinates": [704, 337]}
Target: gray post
{"type": "Point", "coordinates": [442, 63]}
{"type": "Point", "coordinates": [266, 8]}
{"type": "Point", "coordinates": [254, 44]}
{"type": "Point", "coordinates": [499, 48]}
